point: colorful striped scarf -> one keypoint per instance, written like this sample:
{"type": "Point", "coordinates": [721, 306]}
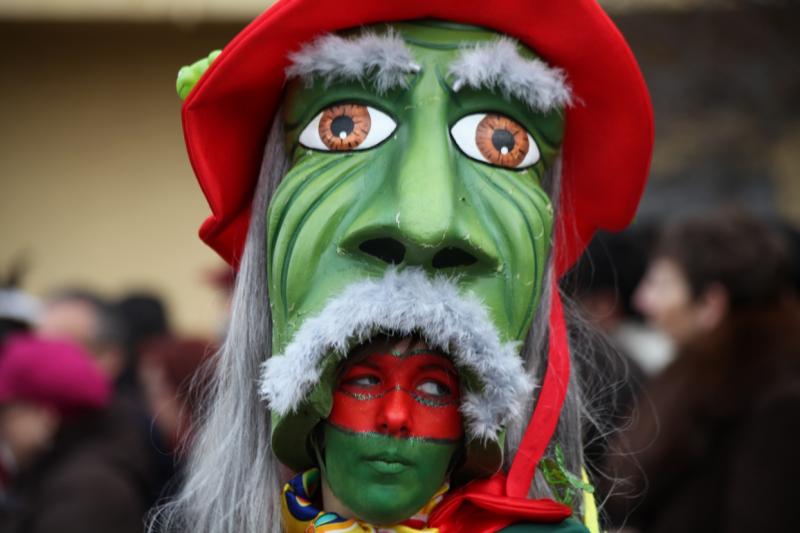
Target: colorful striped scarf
{"type": "Point", "coordinates": [301, 516]}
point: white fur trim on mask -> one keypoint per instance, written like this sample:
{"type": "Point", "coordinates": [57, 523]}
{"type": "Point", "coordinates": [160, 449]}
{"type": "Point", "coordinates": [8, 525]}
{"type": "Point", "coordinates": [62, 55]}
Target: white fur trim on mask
{"type": "Point", "coordinates": [385, 60]}
{"type": "Point", "coordinates": [406, 302]}
{"type": "Point", "coordinates": [497, 65]}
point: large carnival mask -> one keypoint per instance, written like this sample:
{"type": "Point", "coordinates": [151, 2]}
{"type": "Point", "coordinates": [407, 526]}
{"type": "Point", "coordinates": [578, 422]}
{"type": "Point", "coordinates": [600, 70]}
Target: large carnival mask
{"type": "Point", "coordinates": [407, 246]}
{"type": "Point", "coordinates": [414, 205]}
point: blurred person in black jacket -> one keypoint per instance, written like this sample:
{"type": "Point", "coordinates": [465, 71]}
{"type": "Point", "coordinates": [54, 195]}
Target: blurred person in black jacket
{"type": "Point", "coordinates": [717, 451]}
{"type": "Point", "coordinates": [86, 318]}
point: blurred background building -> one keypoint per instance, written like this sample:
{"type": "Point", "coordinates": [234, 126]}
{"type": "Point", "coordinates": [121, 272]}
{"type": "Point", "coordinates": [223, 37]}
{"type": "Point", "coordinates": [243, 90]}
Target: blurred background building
{"type": "Point", "coordinates": [96, 189]}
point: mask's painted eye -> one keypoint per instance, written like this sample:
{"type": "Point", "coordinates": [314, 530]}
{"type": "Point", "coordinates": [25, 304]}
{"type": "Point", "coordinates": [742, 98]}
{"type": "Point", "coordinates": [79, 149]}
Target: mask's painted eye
{"type": "Point", "coordinates": [346, 127]}
{"type": "Point", "coordinates": [495, 139]}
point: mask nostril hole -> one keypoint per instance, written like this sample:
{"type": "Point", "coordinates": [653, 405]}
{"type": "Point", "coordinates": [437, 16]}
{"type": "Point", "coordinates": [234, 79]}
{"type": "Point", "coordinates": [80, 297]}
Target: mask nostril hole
{"type": "Point", "coordinates": [453, 257]}
{"type": "Point", "coordinates": [387, 250]}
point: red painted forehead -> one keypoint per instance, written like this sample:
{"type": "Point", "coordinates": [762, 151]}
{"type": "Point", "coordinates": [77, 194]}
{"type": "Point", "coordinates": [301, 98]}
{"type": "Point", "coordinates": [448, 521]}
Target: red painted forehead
{"type": "Point", "coordinates": [403, 365]}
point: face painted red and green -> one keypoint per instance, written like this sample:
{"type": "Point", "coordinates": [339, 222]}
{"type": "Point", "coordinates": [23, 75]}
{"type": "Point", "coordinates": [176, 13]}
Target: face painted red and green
{"type": "Point", "coordinates": [394, 430]}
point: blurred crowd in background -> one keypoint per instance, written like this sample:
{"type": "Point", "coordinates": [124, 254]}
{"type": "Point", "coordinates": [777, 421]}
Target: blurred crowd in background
{"type": "Point", "coordinates": [694, 380]}
{"type": "Point", "coordinates": [686, 326]}
{"type": "Point", "coordinates": [97, 398]}
{"type": "Point", "coordinates": [687, 334]}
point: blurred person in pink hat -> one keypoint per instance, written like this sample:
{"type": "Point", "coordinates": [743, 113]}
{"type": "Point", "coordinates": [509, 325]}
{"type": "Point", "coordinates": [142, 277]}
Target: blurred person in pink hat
{"type": "Point", "coordinates": [65, 463]}
{"type": "Point", "coordinates": [44, 386]}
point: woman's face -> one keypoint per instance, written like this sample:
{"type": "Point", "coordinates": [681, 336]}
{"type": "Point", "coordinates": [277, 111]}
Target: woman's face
{"type": "Point", "coordinates": [393, 430]}
{"type": "Point", "coordinates": [665, 298]}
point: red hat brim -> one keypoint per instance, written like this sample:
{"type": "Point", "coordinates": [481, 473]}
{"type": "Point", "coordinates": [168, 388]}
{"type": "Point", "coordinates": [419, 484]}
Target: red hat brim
{"type": "Point", "coordinates": [609, 133]}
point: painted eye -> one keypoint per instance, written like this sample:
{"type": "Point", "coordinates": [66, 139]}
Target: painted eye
{"type": "Point", "coordinates": [434, 388]}
{"type": "Point", "coordinates": [364, 381]}
{"type": "Point", "coordinates": [495, 139]}
{"type": "Point", "coordinates": [347, 127]}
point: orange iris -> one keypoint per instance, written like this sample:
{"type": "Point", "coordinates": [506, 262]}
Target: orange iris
{"type": "Point", "coordinates": [502, 141]}
{"type": "Point", "coordinates": [344, 126]}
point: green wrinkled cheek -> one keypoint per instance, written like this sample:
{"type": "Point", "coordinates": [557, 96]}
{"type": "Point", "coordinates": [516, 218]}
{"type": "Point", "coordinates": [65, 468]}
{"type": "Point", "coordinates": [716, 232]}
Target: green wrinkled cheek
{"type": "Point", "coordinates": [305, 220]}
{"type": "Point", "coordinates": [517, 217]}
{"type": "Point", "coordinates": [379, 498]}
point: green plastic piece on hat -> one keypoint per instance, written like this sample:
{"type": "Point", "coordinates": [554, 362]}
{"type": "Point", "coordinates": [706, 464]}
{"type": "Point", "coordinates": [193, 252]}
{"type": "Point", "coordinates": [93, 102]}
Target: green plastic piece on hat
{"type": "Point", "coordinates": [565, 485]}
{"type": "Point", "coordinates": [189, 75]}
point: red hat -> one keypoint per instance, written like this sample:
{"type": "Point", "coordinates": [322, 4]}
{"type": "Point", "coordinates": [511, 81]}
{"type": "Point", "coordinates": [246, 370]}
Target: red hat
{"type": "Point", "coordinates": [606, 151]}
{"type": "Point", "coordinates": [56, 374]}
{"type": "Point", "coordinates": [609, 131]}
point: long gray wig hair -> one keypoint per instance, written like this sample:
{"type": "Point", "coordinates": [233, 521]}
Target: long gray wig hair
{"type": "Point", "coordinates": [233, 480]}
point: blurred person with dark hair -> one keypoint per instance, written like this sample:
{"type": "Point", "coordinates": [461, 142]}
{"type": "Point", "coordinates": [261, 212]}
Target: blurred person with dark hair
{"type": "Point", "coordinates": [792, 236]}
{"type": "Point", "coordinates": [85, 317]}
{"type": "Point", "coordinates": [172, 379]}
{"type": "Point", "coordinates": [604, 282]}
{"type": "Point", "coordinates": [717, 451]}
{"type": "Point", "coordinates": [172, 382]}
{"type": "Point", "coordinates": [53, 476]}
{"type": "Point", "coordinates": [88, 319]}
{"type": "Point", "coordinates": [143, 317]}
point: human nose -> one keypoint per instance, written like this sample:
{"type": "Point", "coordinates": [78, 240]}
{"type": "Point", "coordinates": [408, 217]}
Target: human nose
{"type": "Point", "coordinates": [394, 417]}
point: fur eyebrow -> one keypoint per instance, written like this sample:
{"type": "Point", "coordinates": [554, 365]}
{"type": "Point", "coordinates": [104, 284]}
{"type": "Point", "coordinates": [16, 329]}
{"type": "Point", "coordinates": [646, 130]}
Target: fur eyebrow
{"type": "Point", "coordinates": [497, 65]}
{"type": "Point", "coordinates": [384, 60]}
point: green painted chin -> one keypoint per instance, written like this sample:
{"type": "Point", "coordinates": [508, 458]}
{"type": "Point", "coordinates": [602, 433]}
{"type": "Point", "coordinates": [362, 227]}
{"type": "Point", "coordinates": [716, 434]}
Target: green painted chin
{"type": "Point", "coordinates": [384, 480]}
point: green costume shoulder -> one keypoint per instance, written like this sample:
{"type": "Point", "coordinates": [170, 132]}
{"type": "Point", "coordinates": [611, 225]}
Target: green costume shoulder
{"type": "Point", "coordinates": [567, 526]}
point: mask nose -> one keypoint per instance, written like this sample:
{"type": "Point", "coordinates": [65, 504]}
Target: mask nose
{"type": "Point", "coordinates": [423, 213]}
{"type": "Point", "coordinates": [394, 417]}
{"type": "Point", "coordinates": [393, 252]}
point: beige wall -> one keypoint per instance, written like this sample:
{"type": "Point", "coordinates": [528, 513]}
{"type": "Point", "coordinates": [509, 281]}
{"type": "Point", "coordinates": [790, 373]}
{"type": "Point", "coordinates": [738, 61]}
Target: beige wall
{"type": "Point", "coordinates": [83, 10]}
{"type": "Point", "coordinates": [236, 9]}
{"type": "Point", "coordinates": [94, 183]}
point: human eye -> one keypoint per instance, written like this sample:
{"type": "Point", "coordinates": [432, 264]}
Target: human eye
{"type": "Point", "coordinates": [495, 139]}
{"type": "Point", "coordinates": [363, 381]}
{"type": "Point", "coordinates": [435, 388]}
{"type": "Point", "coordinates": [345, 127]}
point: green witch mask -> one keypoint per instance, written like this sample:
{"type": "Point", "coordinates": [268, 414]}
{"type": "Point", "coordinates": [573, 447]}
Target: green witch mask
{"type": "Point", "coordinates": [401, 180]}
{"type": "Point", "coordinates": [422, 155]}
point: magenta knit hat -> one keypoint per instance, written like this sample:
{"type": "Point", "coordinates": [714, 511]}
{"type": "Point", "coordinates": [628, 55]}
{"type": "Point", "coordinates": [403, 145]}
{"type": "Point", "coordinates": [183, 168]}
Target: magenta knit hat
{"type": "Point", "coordinates": [57, 374]}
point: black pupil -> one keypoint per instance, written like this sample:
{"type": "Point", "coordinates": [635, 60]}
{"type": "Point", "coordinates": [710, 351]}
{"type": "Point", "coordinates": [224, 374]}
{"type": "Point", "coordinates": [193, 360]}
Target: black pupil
{"type": "Point", "coordinates": [342, 124]}
{"type": "Point", "coordinates": [503, 139]}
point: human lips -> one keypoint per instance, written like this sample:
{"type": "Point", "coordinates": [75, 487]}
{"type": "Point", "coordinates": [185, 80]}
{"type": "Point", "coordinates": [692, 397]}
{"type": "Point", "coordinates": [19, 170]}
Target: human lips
{"type": "Point", "coordinates": [388, 463]}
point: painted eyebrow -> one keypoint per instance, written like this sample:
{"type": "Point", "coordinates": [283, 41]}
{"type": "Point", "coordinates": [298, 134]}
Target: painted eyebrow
{"type": "Point", "coordinates": [366, 363]}
{"type": "Point", "coordinates": [382, 60]}
{"type": "Point", "coordinates": [498, 66]}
